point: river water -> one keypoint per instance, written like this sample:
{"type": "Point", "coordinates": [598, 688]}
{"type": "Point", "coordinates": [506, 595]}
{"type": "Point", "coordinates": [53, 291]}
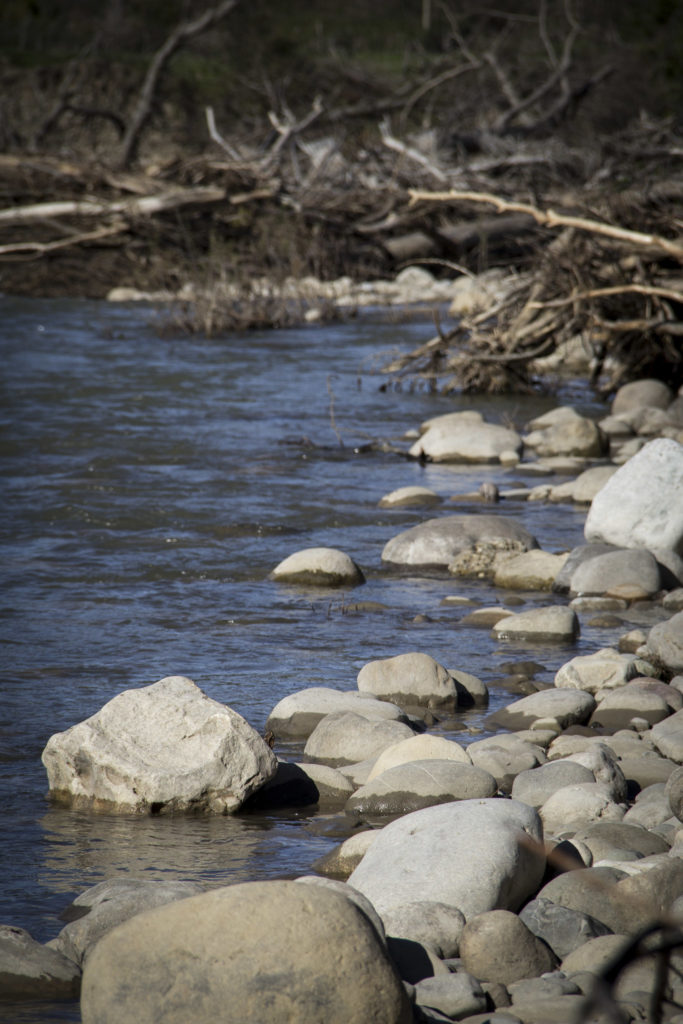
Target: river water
{"type": "Point", "coordinates": [149, 485]}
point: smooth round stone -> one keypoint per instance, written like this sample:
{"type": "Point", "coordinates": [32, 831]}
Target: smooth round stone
{"type": "Point", "coordinates": [602, 575]}
{"type": "Point", "coordinates": [631, 641]}
{"type": "Point", "coordinates": [577, 556]}
{"type": "Point", "coordinates": [639, 393]}
{"type": "Point", "coordinates": [562, 928]}
{"type": "Point", "coordinates": [602, 604]}
{"type": "Point", "coordinates": [416, 856]}
{"type": "Point", "coordinates": [410, 496]}
{"type": "Point", "coordinates": [505, 756]}
{"type": "Point", "coordinates": [532, 570]}
{"type": "Point", "coordinates": [567, 707]}
{"type": "Point", "coordinates": [297, 715]}
{"type": "Point", "coordinates": [485, 618]}
{"type": "Point", "coordinates": [412, 678]}
{"type": "Point", "coordinates": [319, 567]}
{"type": "Point", "coordinates": [419, 748]}
{"type": "Point", "coordinates": [577, 804]}
{"type": "Point", "coordinates": [498, 946]}
{"type": "Point", "coordinates": [348, 738]}
{"type": "Point", "coordinates": [602, 670]}
{"type": "Point", "coordinates": [665, 643]}
{"type": "Point", "coordinates": [536, 785]}
{"type": "Point", "coordinates": [31, 971]}
{"type": "Point", "coordinates": [674, 793]}
{"type": "Point", "coordinates": [667, 736]}
{"type": "Point", "coordinates": [410, 787]}
{"type": "Point", "coordinates": [554, 624]}
{"type": "Point", "coordinates": [595, 954]}
{"type": "Point", "coordinates": [606, 839]}
{"type": "Point", "coordinates": [455, 995]}
{"type": "Point", "coordinates": [457, 437]}
{"type": "Point", "coordinates": [618, 707]}
{"type": "Point", "coordinates": [253, 951]}
{"type": "Point", "coordinates": [435, 925]}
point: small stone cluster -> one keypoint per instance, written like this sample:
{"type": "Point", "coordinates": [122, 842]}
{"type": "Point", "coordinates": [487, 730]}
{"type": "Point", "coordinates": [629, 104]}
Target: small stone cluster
{"type": "Point", "coordinates": [487, 882]}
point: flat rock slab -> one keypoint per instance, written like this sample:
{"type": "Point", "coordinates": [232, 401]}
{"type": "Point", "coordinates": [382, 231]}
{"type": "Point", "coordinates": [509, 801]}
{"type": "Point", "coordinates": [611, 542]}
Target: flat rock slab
{"type": "Point", "coordinates": [417, 784]}
{"type": "Point", "coordinates": [567, 707]}
{"type": "Point", "coordinates": [297, 715]}
{"type": "Point", "coordinates": [257, 951]}
{"type": "Point", "coordinates": [436, 542]}
{"type": "Point", "coordinates": [319, 567]}
{"type": "Point", "coordinates": [474, 855]}
{"type": "Point", "coordinates": [342, 739]}
{"type": "Point", "coordinates": [640, 506]}
{"type": "Point", "coordinates": [412, 678]}
{"type": "Point", "coordinates": [29, 970]}
{"type": "Point", "coordinates": [554, 624]}
{"type": "Point", "coordinates": [159, 749]}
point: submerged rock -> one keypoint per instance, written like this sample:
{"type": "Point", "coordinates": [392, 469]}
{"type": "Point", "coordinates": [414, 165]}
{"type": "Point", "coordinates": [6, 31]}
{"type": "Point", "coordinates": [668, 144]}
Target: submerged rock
{"type": "Point", "coordinates": [163, 748]}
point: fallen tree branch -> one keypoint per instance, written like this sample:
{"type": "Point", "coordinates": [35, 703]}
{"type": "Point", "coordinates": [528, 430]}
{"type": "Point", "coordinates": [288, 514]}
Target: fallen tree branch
{"type": "Point", "coordinates": [625, 289]}
{"type": "Point", "coordinates": [33, 250]}
{"type": "Point", "coordinates": [551, 219]}
{"type": "Point", "coordinates": [391, 142]}
{"type": "Point", "coordinates": [145, 206]}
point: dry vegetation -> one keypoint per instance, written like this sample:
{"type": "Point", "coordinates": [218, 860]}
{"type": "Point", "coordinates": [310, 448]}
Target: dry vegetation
{"type": "Point", "coordinates": [493, 138]}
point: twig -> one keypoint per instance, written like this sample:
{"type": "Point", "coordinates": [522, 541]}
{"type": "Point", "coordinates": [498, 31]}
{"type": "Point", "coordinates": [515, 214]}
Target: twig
{"type": "Point", "coordinates": [333, 422]}
{"type": "Point", "coordinates": [392, 142]}
{"type": "Point", "coordinates": [36, 249]}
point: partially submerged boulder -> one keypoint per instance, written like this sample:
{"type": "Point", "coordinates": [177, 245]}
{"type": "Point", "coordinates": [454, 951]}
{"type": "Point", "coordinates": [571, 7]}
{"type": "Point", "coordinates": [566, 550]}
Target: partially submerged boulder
{"type": "Point", "coordinates": [411, 678]}
{"type": "Point", "coordinates": [318, 567]}
{"type": "Point", "coordinates": [417, 784]}
{"type": "Point", "coordinates": [159, 749]}
{"type": "Point", "coordinates": [31, 971]}
{"type": "Point", "coordinates": [436, 542]}
{"type": "Point", "coordinates": [465, 437]}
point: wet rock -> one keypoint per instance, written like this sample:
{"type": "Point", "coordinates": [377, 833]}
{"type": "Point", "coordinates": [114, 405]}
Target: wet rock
{"type": "Point", "coordinates": [161, 748]}
{"type": "Point", "coordinates": [410, 787]}
{"type": "Point", "coordinates": [536, 785]}
{"type": "Point", "coordinates": [318, 567]}
{"type": "Point", "coordinates": [414, 856]}
{"type": "Point", "coordinates": [532, 570]}
{"type": "Point", "coordinates": [563, 929]}
{"type": "Point", "coordinates": [419, 748]}
{"type": "Point", "coordinates": [410, 497]}
{"type": "Point", "coordinates": [412, 678]}
{"type": "Point", "coordinates": [252, 951]}
{"type": "Point", "coordinates": [106, 905]}
{"type": "Point", "coordinates": [639, 393]}
{"type": "Point", "coordinates": [577, 804]}
{"type": "Point", "coordinates": [436, 542]}
{"type": "Point", "coordinates": [341, 861]}
{"type": "Point", "coordinates": [297, 715]}
{"type": "Point", "coordinates": [640, 505]}
{"type": "Point", "coordinates": [552, 624]}
{"type": "Point", "coordinates": [498, 946]}
{"type": "Point", "coordinates": [436, 925]}
{"type": "Point", "coordinates": [602, 574]}
{"type": "Point", "coordinates": [465, 437]}
{"type": "Point", "coordinates": [455, 995]}
{"type": "Point", "coordinates": [665, 643]}
{"type": "Point", "coordinates": [31, 971]}
{"type": "Point", "coordinates": [348, 738]}
{"type": "Point", "coordinates": [567, 706]}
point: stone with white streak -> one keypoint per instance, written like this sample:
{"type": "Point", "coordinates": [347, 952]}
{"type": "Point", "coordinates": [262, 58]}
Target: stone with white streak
{"type": "Point", "coordinates": [159, 749]}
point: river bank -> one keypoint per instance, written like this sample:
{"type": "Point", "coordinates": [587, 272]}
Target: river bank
{"type": "Point", "coordinates": [331, 631]}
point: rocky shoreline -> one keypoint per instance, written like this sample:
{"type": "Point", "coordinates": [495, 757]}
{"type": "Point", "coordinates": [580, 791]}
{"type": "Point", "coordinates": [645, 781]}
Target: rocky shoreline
{"type": "Point", "coordinates": [535, 875]}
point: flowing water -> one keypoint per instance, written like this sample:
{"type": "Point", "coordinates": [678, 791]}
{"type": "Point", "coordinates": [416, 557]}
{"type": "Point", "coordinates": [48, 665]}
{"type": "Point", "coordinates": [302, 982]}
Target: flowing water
{"type": "Point", "coordinates": [149, 485]}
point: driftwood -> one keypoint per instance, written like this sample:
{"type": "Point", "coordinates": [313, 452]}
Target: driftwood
{"type": "Point", "coordinates": [145, 206]}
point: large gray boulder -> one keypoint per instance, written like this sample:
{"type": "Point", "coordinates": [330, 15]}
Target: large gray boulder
{"type": "Point", "coordinates": [163, 748]}
{"type": "Point", "coordinates": [257, 951]}
{"type": "Point", "coordinates": [318, 567]}
{"type": "Point", "coordinates": [554, 624]}
{"type": "Point", "coordinates": [475, 855]}
{"type": "Point", "coordinates": [412, 678]}
{"type": "Point", "coordinates": [297, 715]}
{"type": "Point", "coordinates": [106, 905]}
{"type": "Point", "coordinates": [349, 738]}
{"type": "Point", "coordinates": [640, 506]}
{"type": "Point", "coordinates": [29, 970]}
{"type": "Point", "coordinates": [417, 784]}
{"type": "Point", "coordinates": [437, 542]}
{"type": "Point", "coordinates": [465, 437]}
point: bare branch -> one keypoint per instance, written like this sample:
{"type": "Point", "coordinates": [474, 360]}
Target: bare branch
{"type": "Point", "coordinates": [144, 206]}
{"type": "Point", "coordinates": [392, 142]}
{"type": "Point", "coordinates": [34, 250]}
